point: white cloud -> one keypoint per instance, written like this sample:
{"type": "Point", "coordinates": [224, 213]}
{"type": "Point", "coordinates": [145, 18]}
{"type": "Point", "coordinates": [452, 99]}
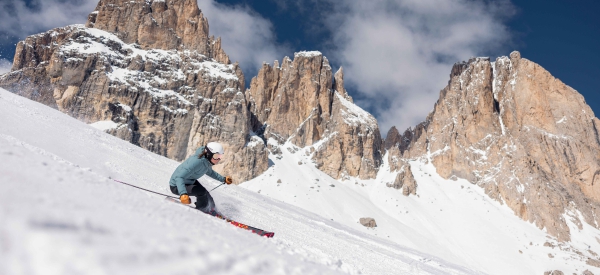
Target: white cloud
{"type": "Point", "coordinates": [246, 36]}
{"type": "Point", "coordinates": [5, 66]}
{"type": "Point", "coordinates": [397, 55]}
{"type": "Point", "coordinates": [20, 19]}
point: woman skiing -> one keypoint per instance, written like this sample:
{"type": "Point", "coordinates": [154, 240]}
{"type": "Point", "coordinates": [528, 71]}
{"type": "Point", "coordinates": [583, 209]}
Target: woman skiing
{"type": "Point", "coordinates": [184, 180]}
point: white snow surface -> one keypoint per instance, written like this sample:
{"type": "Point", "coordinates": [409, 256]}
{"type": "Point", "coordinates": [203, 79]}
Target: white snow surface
{"type": "Point", "coordinates": [307, 54]}
{"type": "Point", "coordinates": [354, 115]}
{"type": "Point", "coordinates": [104, 125]}
{"type": "Point", "coordinates": [61, 213]}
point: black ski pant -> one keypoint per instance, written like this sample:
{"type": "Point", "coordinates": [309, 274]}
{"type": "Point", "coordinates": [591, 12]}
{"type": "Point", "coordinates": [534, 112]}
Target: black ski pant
{"type": "Point", "coordinates": [203, 198]}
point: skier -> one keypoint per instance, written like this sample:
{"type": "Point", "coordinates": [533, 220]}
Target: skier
{"type": "Point", "coordinates": [184, 180]}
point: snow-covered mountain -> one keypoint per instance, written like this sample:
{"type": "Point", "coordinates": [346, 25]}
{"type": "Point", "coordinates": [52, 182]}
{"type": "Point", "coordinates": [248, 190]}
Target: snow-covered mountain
{"type": "Point", "coordinates": [501, 177]}
{"type": "Point", "coordinates": [62, 213]}
{"type": "Point", "coordinates": [524, 136]}
{"type": "Point", "coordinates": [149, 72]}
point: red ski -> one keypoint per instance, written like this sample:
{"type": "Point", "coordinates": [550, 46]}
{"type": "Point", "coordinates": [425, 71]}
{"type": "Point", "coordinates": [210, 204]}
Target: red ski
{"type": "Point", "coordinates": [237, 224]}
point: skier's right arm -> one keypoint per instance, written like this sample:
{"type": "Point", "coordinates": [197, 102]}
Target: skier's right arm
{"type": "Point", "coordinates": [183, 196]}
{"type": "Point", "coordinates": [180, 186]}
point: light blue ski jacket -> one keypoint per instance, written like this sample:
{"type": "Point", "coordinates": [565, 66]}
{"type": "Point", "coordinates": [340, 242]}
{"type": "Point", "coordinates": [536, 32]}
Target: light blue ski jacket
{"type": "Point", "coordinates": [192, 169]}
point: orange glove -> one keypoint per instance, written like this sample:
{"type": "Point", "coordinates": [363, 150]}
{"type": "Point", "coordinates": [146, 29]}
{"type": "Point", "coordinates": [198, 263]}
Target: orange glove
{"type": "Point", "coordinates": [185, 199]}
{"type": "Point", "coordinates": [228, 180]}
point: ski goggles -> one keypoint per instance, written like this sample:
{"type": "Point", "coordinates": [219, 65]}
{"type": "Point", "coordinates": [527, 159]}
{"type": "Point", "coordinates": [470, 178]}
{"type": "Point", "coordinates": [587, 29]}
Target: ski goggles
{"type": "Point", "coordinates": [217, 156]}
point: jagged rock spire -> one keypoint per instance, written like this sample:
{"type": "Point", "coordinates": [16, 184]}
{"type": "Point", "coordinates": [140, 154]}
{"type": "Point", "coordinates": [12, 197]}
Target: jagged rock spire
{"type": "Point", "coordinates": [158, 24]}
{"type": "Point", "coordinates": [393, 138]}
{"type": "Point", "coordinates": [300, 102]}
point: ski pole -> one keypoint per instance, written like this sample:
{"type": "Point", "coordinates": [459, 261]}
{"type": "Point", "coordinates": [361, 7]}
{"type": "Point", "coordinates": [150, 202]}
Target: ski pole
{"type": "Point", "coordinates": [144, 189]}
{"type": "Point", "coordinates": [216, 187]}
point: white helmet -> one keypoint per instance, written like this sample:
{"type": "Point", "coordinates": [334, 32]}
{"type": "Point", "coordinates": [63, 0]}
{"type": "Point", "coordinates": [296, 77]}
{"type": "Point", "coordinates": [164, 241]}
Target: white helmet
{"type": "Point", "coordinates": [215, 148]}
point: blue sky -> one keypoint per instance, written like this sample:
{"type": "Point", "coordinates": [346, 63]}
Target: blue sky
{"type": "Point", "coordinates": [396, 55]}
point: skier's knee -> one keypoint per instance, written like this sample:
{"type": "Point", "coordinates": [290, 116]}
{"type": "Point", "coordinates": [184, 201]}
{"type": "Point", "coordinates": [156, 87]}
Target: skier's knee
{"type": "Point", "coordinates": [201, 201]}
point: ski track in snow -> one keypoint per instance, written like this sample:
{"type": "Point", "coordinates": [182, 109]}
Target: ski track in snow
{"type": "Point", "coordinates": [62, 214]}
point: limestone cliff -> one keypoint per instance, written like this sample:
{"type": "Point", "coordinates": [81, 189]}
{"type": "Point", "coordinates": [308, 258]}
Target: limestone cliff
{"type": "Point", "coordinates": [524, 136]}
{"type": "Point", "coordinates": [303, 103]}
{"type": "Point", "coordinates": [155, 24]}
{"type": "Point", "coordinates": [151, 69]}
{"type": "Point", "coordinates": [392, 139]}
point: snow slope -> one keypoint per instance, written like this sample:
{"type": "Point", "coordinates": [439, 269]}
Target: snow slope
{"type": "Point", "coordinates": [452, 220]}
{"type": "Point", "coordinates": [60, 213]}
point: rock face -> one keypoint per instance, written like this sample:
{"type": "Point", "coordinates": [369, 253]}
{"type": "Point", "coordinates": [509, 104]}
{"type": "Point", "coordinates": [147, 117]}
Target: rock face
{"type": "Point", "coordinates": [393, 138]}
{"type": "Point", "coordinates": [301, 103]}
{"type": "Point", "coordinates": [154, 24]}
{"type": "Point", "coordinates": [150, 69]}
{"type": "Point", "coordinates": [368, 222]}
{"type": "Point", "coordinates": [512, 128]}
{"type": "Point", "coordinates": [405, 181]}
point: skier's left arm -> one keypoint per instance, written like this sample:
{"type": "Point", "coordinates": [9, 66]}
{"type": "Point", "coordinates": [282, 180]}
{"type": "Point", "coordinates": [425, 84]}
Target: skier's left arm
{"type": "Point", "coordinates": [211, 173]}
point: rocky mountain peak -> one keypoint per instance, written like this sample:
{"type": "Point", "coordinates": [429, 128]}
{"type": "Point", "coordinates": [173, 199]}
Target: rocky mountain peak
{"type": "Point", "coordinates": [302, 103]}
{"type": "Point", "coordinates": [148, 72]}
{"type": "Point", "coordinates": [393, 138]}
{"type": "Point", "coordinates": [158, 24]}
{"type": "Point", "coordinates": [515, 56]}
{"type": "Point", "coordinates": [524, 136]}
{"type": "Point", "coordinates": [338, 83]}
{"type": "Point", "coordinates": [293, 95]}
